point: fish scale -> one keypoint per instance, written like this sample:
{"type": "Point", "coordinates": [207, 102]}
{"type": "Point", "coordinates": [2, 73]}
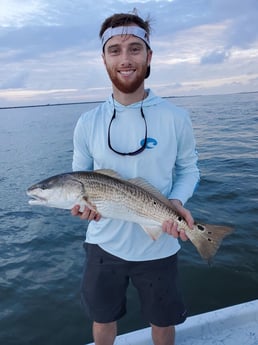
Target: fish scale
{"type": "Point", "coordinates": [123, 199]}
{"type": "Point", "coordinates": [119, 191]}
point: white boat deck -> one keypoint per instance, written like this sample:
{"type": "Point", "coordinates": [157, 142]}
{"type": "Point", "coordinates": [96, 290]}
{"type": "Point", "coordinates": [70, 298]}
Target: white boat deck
{"type": "Point", "coordinates": [236, 325]}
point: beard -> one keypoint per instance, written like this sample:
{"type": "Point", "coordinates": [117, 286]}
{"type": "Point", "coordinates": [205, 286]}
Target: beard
{"type": "Point", "coordinates": [127, 86]}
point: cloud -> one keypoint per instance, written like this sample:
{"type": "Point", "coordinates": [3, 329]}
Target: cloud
{"type": "Point", "coordinates": [17, 81]}
{"type": "Point", "coordinates": [54, 45]}
{"type": "Point", "coordinates": [14, 13]}
{"type": "Point", "coordinates": [215, 57]}
{"type": "Point", "coordinates": [242, 16]}
{"type": "Point", "coordinates": [244, 31]}
{"type": "Point", "coordinates": [31, 42]}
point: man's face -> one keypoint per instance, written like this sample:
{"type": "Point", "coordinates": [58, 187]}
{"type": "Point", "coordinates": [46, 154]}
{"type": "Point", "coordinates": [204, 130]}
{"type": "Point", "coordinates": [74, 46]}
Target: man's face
{"type": "Point", "coordinates": [126, 58]}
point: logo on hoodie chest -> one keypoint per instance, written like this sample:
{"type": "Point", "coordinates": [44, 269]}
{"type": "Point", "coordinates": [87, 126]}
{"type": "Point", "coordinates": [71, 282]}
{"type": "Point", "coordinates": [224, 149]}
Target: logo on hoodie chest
{"type": "Point", "coordinates": [151, 143]}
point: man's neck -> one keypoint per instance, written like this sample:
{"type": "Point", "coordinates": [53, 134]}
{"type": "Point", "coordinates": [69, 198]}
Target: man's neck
{"type": "Point", "coordinates": [129, 98]}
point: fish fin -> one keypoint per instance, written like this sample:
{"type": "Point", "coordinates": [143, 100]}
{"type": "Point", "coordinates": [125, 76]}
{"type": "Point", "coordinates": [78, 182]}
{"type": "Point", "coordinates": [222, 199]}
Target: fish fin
{"type": "Point", "coordinates": [153, 231]}
{"type": "Point", "coordinates": [139, 182]}
{"type": "Point", "coordinates": [207, 238]}
{"type": "Point", "coordinates": [109, 172]}
{"type": "Point", "coordinates": [142, 183]}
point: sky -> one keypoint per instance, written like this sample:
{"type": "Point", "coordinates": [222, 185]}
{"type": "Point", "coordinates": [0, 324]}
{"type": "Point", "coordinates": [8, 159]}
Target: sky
{"type": "Point", "coordinates": [50, 51]}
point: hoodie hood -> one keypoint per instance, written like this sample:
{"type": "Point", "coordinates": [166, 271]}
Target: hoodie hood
{"type": "Point", "coordinates": [149, 101]}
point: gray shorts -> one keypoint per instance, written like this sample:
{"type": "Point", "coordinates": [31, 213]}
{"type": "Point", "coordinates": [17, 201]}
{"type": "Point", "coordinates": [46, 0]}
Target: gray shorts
{"type": "Point", "coordinates": [106, 279]}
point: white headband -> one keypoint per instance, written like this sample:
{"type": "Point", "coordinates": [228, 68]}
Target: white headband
{"type": "Point", "coordinates": [125, 30]}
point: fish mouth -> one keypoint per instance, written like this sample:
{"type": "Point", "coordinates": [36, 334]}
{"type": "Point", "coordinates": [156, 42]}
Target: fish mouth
{"type": "Point", "coordinates": [35, 199]}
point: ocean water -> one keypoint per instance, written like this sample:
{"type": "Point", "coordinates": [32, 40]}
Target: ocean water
{"type": "Point", "coordinates": [41, 253]}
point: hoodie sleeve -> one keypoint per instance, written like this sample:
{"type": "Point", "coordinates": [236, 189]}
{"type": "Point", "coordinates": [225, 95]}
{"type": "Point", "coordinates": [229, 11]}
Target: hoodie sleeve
{"type": "Point", "coordinates": [186, 172]}
{"type": "Point", "coordinates": [82, 159]}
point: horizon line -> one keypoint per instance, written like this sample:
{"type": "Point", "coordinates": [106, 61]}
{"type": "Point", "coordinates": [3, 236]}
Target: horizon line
{"type": "Point", "coordinates": [86, 102]}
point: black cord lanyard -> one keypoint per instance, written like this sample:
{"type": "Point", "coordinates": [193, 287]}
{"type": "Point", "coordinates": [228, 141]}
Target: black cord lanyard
{"type": "Point", "coordinates": [142, 148]}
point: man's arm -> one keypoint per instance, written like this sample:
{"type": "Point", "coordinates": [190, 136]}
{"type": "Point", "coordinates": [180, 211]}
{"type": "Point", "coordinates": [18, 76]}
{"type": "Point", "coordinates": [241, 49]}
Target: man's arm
{"type": "Point", "coordinates": [186, 179]}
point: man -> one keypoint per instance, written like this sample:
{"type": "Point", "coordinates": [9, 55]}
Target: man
{"type": "Point", "coordinates": [136, 134]}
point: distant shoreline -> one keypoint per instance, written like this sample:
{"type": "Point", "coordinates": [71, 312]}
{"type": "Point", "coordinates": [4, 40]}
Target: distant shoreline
{"type": "Point", "coordinates": [86, 102]}
{"type": "Point", "coordinates": [47, 105]}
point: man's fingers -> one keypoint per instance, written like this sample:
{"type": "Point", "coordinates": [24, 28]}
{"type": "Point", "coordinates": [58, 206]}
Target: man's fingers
{"type": "Point", "coordinates": [172, 228]}
{"type": "Point", "coordinates": [183, 235]}
{"type": "Point", "coordinates": [87, 213]}
{"type": "Point", "coordinates": [75, 211]}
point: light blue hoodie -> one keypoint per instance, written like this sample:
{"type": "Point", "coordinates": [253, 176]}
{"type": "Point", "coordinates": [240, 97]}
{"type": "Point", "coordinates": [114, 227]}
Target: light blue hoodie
{"type": "Point", "coordinates": [169, 163]}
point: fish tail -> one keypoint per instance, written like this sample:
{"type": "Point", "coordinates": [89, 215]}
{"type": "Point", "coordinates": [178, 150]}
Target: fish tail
{"type": "Point", "coordinates": [207, 238]}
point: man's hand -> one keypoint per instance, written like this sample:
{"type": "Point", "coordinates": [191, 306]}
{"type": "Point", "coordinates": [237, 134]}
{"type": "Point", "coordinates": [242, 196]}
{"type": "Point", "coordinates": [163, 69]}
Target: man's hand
{"type": "Point", "coordinates": [171, 227]}
{"type": "Point", "coordinates": [87, 213]}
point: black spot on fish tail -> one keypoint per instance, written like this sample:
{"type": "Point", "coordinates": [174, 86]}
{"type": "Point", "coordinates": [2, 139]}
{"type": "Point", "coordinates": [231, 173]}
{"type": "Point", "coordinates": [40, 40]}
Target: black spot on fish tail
{"type": "Point", "coordinates": [207, 239]}
{"type": "Point", "coordinates": [200, 227]}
